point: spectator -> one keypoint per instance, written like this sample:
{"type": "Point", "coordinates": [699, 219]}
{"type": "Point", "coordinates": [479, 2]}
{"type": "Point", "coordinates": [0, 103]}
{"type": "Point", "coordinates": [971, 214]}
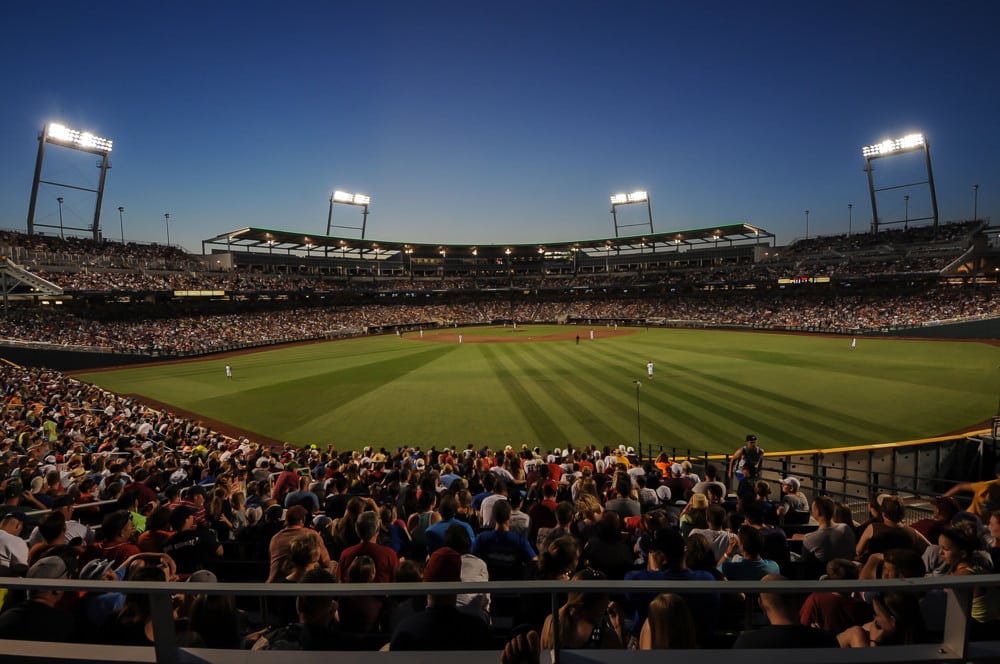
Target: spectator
{"type": "Point", "coordinates": [13, 549]}
{"type": "Point", "coordinates": [666, 562]}
{"type": "Point", "coordinates": [669, 625]}
{"type": "Point", "coordinates": [447, 509]}
{"type": "Point", "coordinates": [192, 548]}
{"type": "Point", "coordinates": [784, 629]}
{"type": "Point", "coordinates": [507, 554]}
{"type": "Point", "coordinates": [607, 551]}
{"type": "Point", "coordinates": [794, 506]}
{"type": "Point", "coordinates": [441, 626]}
{"type": "Point", "coordinates": [117, 533]}
{"type": "Point", "coordinates": [719, 538]}
{"type": "Point", "coordinates": [897, 621]}
{"type": "Point", "coordinates": [749, 566]}
{"type": "Point", "coordinates": [890, 533]}
{"type": "Point", "coordinates": [383, 558]}
{"type": "Point", "coordinates": [835, 611]}
{"type": "Point", "coordinates": [586, 620]}
{"type": "Point", "coordinates": [41, 617]}
{"type": "Point", "coordinates": [830, 540]}
{"type": "Point", "coordinates": [281, 542]}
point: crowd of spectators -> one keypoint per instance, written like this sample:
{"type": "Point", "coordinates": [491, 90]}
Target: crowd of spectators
{"type": "Point", "coordinates": [168, 332]}
{"type": "Point", "coordinates": [83, 265]}
{"type": "Point", "coordinates": [125, 492]}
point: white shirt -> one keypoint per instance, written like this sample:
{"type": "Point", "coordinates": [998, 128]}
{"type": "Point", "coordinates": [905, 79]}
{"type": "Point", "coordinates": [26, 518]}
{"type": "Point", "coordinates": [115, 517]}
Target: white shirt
{"type": "Point", "coordinates": [13, 549]}
{"type": "Point", "coordinates": [486, 510]}
{"type": "Point", "coordinates": [474, 569]}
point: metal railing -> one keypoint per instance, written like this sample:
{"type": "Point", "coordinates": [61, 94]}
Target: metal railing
{"type": "Point", "coordinates": [953, 645]}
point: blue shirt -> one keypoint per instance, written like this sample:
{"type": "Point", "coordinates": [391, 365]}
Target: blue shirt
{"type": "Point", "coordinates": [434, 535]}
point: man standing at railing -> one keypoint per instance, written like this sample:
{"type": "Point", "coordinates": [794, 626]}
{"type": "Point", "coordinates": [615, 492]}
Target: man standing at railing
{"type": "Point", "coordinates": [745, 463]}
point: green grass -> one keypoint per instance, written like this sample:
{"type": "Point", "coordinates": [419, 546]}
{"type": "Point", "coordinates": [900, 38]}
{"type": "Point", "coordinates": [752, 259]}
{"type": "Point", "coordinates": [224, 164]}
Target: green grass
{"type": "Point", "coordinates": [710, 389]}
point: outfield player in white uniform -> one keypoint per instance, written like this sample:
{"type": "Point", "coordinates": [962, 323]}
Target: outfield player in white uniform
{"type": "Point", "coordinates": [229, 372]}
{"type": "Point", "coordinates": [649, 369]}
{"type": "Point", "coordinates": [854, 343]}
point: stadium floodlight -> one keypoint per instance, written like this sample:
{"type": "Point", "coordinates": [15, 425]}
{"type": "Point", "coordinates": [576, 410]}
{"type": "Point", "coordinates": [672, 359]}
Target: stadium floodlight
{"type": "Point", "coordinates": [84, 141]}
{"type": "Point", "coordinates": [892, 147]}
{"type": "Point", "coordinates": [347, 198]}
{"type": "Point", "coordinates": [637, 196]}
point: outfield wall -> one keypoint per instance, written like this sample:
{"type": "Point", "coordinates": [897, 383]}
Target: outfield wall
{"type": "Point", "coordinates": [988, 328]}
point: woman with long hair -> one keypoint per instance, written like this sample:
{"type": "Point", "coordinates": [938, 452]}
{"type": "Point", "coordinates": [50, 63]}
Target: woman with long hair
{"type": "Point", "coordinates": [897, 621]}
{"type": "Point", "coordinates": [669, 625]}
{"type": "Point", "coordinates": [586, 620]}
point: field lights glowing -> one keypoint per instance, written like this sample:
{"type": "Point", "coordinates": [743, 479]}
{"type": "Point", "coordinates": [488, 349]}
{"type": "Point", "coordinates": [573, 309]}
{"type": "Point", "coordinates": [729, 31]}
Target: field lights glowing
{"type": "Point", "coordinates": [351, 199]}
{"type": "Point", "coordinates": [634, 197]}
{"type": "Point", "coordinates": [83, 140]}
{"type": "Point", "coordinates": [890, 145]}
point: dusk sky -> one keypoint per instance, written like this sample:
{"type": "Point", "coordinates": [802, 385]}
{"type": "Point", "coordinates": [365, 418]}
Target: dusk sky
{"type": "Point", "coordinates": [493, 122]}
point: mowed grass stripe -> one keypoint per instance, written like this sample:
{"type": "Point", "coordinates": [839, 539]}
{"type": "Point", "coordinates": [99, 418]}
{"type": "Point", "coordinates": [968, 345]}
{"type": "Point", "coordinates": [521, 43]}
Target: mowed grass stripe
{"type": "Point", "coordinates": [571, 393]}
{"type": "Point", "coordinates": [796, 391]}
{"type": "Point", "coordinates": [309, 403]}
{"type": "Point", "coordinates": [537, 417]}
{"type": "Point", "coordinates": [740, 404]}
{"type": "Point", "coordinates": [684, 417]}
{"type": "Point", "coordinates": [608, 396]}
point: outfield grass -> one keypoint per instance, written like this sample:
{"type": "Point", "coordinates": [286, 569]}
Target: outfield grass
{"type": "Point", "coordinates": [710, 388]}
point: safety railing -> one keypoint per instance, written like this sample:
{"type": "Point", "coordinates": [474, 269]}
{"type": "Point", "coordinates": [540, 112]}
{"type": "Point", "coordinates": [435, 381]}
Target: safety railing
{"type": "Point", "coordinates": [953, 645]}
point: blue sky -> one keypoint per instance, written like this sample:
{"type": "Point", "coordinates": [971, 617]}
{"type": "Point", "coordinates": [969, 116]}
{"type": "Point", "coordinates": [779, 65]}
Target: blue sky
{"type": "Point", "coordinates": [494, 122]}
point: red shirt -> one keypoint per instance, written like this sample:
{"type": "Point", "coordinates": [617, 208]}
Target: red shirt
{"type": "Point", "coordinates": [386, 561]}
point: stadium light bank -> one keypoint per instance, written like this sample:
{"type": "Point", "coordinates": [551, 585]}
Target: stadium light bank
{"type": "Point", "coordinates": [891, 147]}
{"type": "Point", "coordinates": [345, 198]}
{"type": "Point", "coordinates": [84, 141]}
{"type": "Point", "coordinates": [629, 199]}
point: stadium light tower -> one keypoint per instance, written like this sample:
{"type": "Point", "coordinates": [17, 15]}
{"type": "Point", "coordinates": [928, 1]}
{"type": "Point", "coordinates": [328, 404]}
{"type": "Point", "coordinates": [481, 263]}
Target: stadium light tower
{"type": "Point", "coordinates": [166, 220]}
{"type": "Point", "coordinates": [121, 221]}
{"type": "Point", "coordinates": [344, 198]}
{"type": "Point", "coordinates": [61, 235]}
{"type": "Point", "coordinates": [807, 224]}
{"type": "Point", "coordinates": [975, 202]}
{"type": "Point", "coordinates": [62, 136]}
{"type": "Point", "coordinates": [892, 147]}
{"type": "Point", "coordinates": [628, 199]}
{"type": "Point", "coordinates": [850, 215]}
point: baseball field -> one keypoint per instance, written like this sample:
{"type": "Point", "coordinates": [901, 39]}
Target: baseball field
{"type": "Point", "coordinates": [541, 385]}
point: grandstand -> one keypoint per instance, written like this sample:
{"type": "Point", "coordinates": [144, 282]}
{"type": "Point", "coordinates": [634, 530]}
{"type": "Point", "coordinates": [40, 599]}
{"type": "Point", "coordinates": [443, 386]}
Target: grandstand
{"type": "Point", "coordinates": [82, 296]}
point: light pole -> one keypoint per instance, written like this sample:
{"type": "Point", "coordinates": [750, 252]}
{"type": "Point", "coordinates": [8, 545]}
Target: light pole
{"type": "Point", "coordinates": [975, 202]}
{"type": "Point", "coordinates": [850, 211]}
{"type": "Point", "coordinates": [906, 212]}
{"type": "Point", "coordinates": [638, 419]}
{"type": "Point", "coordinates": [166, 219]}
{"type": "Point", "coordinates": [121, 221]}
{"type": "Point", "coordinates": [807, 224]}
{"type": "Point", "coordinates": [61, 235]}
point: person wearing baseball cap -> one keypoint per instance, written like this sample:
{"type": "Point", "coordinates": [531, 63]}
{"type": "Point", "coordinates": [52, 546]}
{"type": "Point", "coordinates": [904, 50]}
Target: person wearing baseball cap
{"type": "Point", "coordinates": [794, 506]}
{"type": "Point", "coordinates": [442, 626]}
{"type": "Point", "coordinates": [745, 464]}
{"type": "Point", "coordinates": [41, 618]}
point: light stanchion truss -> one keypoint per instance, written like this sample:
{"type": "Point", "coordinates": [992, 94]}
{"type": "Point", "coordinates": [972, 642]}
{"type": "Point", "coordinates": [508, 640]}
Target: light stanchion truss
{"type": "Point", "coordinates": [83, 141]}
{"type": "Point", "coordinates": [893, 147]}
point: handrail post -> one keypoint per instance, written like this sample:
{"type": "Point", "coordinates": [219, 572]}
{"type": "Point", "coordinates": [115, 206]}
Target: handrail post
{"type": "Point", "coordinates": [164, 633]}
{"type": "Point", "coordinates": [554, 597]}
{"type": "Point", "coordinates": [956, 622]}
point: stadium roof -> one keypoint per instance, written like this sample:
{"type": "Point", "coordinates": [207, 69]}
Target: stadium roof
{"type": "Point", "coordinates": [251, 239]}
